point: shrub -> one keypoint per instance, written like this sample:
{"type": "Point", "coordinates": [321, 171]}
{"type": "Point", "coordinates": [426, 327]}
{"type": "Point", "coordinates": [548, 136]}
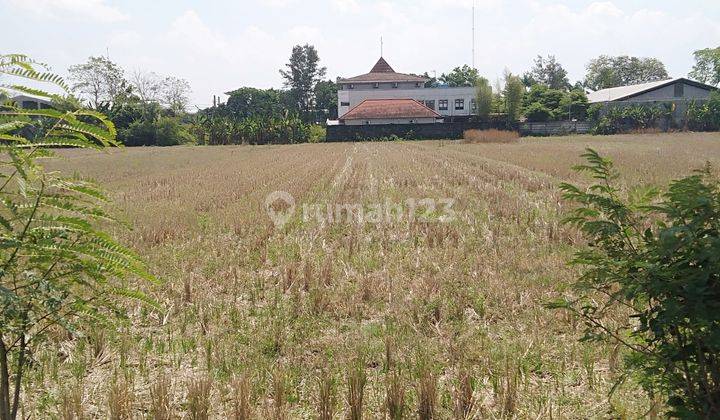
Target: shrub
{"type": "Point", "coordinates": [594, 111]}
{"type": "Point", "coordinates": [139, 133]}
{"type": "Point", "coordinates": [169, 132]}
{"type": "Point", "coordinates": [620, 119]}
{"type": "Point", "coordinates": [651, 281]}
{"type": "Point", "coordinates": [317, 133]}
{"type": "Point", "coordinates": [705, 117]}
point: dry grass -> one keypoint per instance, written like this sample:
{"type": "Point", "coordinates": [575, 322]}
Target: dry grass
{"type": "Point", "coordinates": [254, 315]}
{"type": "Point", "coordinates": [490, 136]}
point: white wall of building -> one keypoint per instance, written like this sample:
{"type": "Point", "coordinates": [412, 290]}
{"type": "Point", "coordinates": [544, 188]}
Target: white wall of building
{"type": "Point", "coordinates": [350, 98]}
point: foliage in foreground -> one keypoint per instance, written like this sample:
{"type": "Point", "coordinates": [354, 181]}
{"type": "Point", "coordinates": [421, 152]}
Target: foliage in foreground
{"type": "Point", "coordinates": [58, 269]}
{"type": "Point", "coordinates": [651, 281]}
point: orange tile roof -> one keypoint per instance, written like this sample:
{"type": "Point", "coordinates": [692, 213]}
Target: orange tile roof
{"type": "Point", "coordinates": [389, 108]}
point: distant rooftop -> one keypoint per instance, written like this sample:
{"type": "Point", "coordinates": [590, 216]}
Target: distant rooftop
{"type": "Point", "coordinates": [382, 66]}
{"type": "Point", "coordinates": [625, 92]}
{"type": "Point", "coordinates": [390, 109]}
{"type": "Point", "coordinates": [383, 72]}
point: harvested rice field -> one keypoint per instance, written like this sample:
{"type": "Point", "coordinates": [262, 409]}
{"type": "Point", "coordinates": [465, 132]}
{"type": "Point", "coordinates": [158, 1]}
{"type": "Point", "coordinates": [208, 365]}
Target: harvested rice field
{"type": "Point", "coordinates": [381, 280]}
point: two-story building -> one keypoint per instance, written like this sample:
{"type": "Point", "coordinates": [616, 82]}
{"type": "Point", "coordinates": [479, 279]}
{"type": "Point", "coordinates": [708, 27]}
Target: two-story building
{"type": "Point", "coordinates": [383, 83]}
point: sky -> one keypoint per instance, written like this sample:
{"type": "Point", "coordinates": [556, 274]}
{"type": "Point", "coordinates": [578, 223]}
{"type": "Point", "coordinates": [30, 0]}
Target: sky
{"type": "Point", "coordinates": [221, 45]}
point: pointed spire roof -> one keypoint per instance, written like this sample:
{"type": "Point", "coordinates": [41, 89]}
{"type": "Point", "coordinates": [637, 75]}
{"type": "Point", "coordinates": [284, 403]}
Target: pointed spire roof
{"type": "Point", "coordinates": [382, 66]}
{"type": "Point", "coordinates": [382, 72]}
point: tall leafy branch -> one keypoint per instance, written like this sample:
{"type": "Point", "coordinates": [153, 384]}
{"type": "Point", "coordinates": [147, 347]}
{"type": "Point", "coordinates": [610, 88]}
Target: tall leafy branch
{"type": "Point", "coordinates": [58, 269]}
{"type": "Point", "coordinates": [651, 281]}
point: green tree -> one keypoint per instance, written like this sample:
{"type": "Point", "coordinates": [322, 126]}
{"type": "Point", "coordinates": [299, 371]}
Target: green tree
{"type": "Point", "coordinates": [544, 104]}
{"type": "Point", "coordinates": [606, 72]}
{"type": "Point", "coordinates": [484, 99]}
{"type": "Point", "coordinates": [58, 269]}
{"type": "Point", "coordinates": [99, 80]}
{"type": "Point", "coordinates": [574, 105]}
{"type": "Point", "coordinates": [547, 72]}
{"type": "Point", "coordinates": [651, 281]}
{"type": "Point", "coordinates": [326, 101]}
{"type": "Point", "coordinates": [302, 74]}
{"type": "Point", "coordinates": [250, 102]}
{"type": "Point", "coordinates": [537, 112]}
{"type": "Point", "coordinates": [432, 81]}
{"type": "Point", "coordinates": [498, 103]}
{"type": "Point", "coordinates": [464, 76]}
{"type": "Point", "coordinates": [707, 66]}
{"type": "Point", "coordinates": [513, 92]}
{"type": "Point", "coordinates": [174, 94]}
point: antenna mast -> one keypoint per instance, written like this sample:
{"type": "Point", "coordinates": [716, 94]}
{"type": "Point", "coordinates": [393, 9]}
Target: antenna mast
{"type": "Point", "coordinates": [381, 46]}
{"type": "Point", "coordinates": [473, 34]}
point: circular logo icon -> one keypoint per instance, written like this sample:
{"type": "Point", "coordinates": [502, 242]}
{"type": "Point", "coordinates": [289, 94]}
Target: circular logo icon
{"type": "Point", "coordinates": [280, 207]}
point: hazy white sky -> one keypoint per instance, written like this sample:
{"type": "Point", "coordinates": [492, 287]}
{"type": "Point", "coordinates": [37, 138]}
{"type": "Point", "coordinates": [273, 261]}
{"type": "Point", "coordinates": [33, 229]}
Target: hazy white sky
{"type": "Point", "coordinates": [220, 45]}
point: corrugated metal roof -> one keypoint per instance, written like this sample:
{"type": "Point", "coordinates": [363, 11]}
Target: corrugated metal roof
{"type": "Point", "coordinates": [389, 108]}
{"type": "Point", "coordinates": [624, 92]}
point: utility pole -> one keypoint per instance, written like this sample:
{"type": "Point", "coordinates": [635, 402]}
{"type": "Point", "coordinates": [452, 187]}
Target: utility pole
{"type": "Point", "coordinates": [381, 46]}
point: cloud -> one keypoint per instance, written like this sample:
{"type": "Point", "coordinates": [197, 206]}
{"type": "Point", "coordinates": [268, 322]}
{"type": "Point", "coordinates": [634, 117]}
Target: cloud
{"type": "Point", "coordinates": [306, 34]}
{"type": "Point", "coordinates": [189, 29]}
{"type": "Point", "coordinates": [279, 3]}
{"type": "Point", "coordinates": [576, 35]}
{"type": "Point", "coordinates": [480, 5]}
{"type": "Point", "coordinates": [218, 52]}
{"type": "Point", "coordinates": [346, 6]}
{"type": "Point", "coordinates": [93, 10]}
{"type": "Point", "coordinates": [125, 39]}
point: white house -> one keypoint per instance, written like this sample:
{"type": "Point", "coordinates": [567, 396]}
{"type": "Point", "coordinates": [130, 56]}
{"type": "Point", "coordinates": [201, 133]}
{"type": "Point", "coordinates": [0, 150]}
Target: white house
{"type": "Point", "coordinates": [28, 101]}
{"type": "Point", "coordinates": [384, 83]}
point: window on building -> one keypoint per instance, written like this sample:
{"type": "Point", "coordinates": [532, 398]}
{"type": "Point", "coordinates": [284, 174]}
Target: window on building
{"type": "Point", "coordinates": [443, 105]}
{"type": "Point", "coordinates": [344, 103]}
{"type": "Point", "coordinates": [342, 87]}
{"type": "Point", "coordinates": [352, 86]}
{"type": "Point", "coordinates": [395, 85]}
{"type": "Point", "coordinates": [679, 90]}
{"type": "Point", "coordinates": [459, 104]}
{"type": "Point", "coordinates": [473, 105]}
{"type": "Point", "coordinates": [417, 84]}
{"type": "Point", "coordinates": [376, 85]}
{"type": "Point", "coordinates": [430, 104]}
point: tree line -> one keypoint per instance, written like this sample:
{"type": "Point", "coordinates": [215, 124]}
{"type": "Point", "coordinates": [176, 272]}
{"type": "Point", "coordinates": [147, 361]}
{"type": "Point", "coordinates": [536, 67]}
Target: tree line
{"type": "Point", "coordinates": [152, 109]}
{"type": "Point", "coordinates": [294, 114]}
{"type": "Point", "coordinates": [544, 93]}
{"type": "Point", "coordinates": [149, 109]}
{"type": "Point", "coordinates": [146, 108]}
